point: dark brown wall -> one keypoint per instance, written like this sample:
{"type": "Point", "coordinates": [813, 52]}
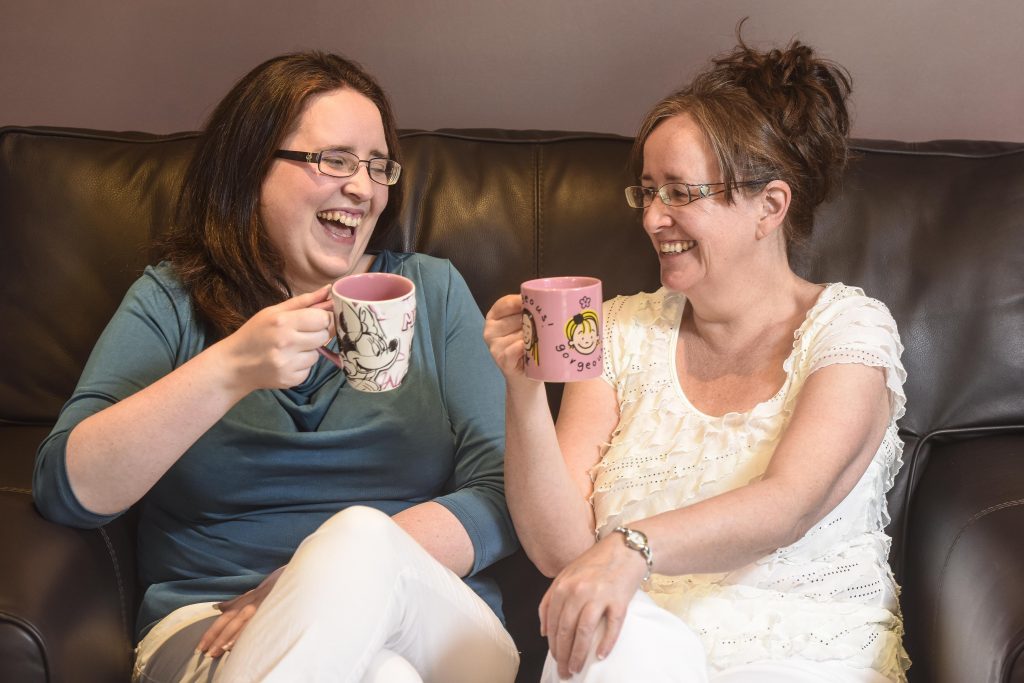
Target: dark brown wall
{"type": "Point", "coordinates": [923, 69]}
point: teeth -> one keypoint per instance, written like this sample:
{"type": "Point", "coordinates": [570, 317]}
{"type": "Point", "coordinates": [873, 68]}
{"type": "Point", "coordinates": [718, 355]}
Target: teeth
{"type": "Point", "coordinates": [340, 217]}
{"type": "Point", "coordinates": [677, 247]}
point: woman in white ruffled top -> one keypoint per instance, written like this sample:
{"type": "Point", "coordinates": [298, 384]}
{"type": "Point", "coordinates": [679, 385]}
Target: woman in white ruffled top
{"type": "Point", "coordinates": [713, 508]}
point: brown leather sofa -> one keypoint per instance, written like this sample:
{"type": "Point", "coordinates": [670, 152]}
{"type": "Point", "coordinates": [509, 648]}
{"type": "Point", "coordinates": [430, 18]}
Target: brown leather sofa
{"type": "Point", "coordinates": [935, 230]}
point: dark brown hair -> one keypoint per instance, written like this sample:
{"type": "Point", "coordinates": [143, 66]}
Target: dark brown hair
{"type": "Point", "coordinates": [218, 245]}
{"type": "Point", "coordinates": [770, 115]}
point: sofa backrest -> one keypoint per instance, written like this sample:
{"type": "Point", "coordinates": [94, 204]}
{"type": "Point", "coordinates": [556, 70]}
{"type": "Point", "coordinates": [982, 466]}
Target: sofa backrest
{"type": "Point", "coordinates": [934, 230]}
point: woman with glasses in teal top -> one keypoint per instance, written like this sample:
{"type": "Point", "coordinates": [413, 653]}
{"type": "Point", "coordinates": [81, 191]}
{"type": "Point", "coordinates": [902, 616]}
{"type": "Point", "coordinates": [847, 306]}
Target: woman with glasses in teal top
{"type": "Point", "coordinates": [292, 528]}
{"type": "Point", "coordinates": [713, 507]}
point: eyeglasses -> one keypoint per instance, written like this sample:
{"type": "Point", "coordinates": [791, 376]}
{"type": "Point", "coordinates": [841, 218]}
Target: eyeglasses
{"type": "Point", "coordinates": [678, 194]}
{"type": "Point", "coordinates": [342, 164]}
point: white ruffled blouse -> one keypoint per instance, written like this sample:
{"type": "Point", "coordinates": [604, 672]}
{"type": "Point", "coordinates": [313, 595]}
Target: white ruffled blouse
{"type": "Point", "coordinates": [830, 595]}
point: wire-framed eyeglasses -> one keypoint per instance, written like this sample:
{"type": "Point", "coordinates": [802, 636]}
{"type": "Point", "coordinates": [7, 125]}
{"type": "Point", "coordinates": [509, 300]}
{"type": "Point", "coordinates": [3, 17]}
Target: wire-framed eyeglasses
{"type": "Point", "coordinates": [679, 194]}
{"type": "Point", "coordinates": [342, 164]}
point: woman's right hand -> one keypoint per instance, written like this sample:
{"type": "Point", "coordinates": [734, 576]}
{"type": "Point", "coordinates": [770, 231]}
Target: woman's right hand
{"type": "Point", "coordinates": [503, 332]}
{"type": "Point", "coordinates": [235, 615]}
{"type": "Point", "coordinates": [275, 348]}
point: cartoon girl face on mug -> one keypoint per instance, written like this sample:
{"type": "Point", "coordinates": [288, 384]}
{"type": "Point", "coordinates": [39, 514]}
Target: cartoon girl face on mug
{"type": "Point", "coordinates": [583, 331]}
{"type": "Point", "coordinates": [530, 337]}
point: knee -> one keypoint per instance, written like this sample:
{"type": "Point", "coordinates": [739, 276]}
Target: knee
{"type": "Point", "coordinates": [357, 520]}
{"type": "Point", "coordinates": [653, 645]}
{"type": "Point", "coordinates": [354, 533]}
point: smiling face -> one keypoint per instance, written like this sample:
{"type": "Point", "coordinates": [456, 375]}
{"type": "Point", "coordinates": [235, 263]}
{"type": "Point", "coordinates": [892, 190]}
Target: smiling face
{"type": "Point", "coordinates": [321, 224]}
{"type": "Point", "coordinates": [703, 240]}
{"type": "Point", "coordinates": [529, 332]}
{"type": "Point", "coordinates": [585, 338]}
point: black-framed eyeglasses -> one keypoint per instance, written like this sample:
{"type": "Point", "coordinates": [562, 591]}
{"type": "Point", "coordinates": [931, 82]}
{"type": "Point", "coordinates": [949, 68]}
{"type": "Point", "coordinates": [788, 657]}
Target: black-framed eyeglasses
{"type": "Point", "coordinates": [342, 164]}
{"type": "Point", "coordinates": [678, 194]}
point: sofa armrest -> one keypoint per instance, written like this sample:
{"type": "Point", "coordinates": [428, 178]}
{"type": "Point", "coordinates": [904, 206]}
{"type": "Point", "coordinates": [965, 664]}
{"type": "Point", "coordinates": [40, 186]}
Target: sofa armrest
{"type": "Point", "coordinates": [963, 588]}
{"type": "Point", "coordinates": [66, 595]}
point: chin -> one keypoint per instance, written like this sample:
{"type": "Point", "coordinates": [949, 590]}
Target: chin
{"type": "Point", "coordinates": [676, 281]}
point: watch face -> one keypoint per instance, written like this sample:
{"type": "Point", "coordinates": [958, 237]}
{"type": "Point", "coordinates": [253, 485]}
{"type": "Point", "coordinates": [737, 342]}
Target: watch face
{"type": "Point", "coordinates": [636, 540]}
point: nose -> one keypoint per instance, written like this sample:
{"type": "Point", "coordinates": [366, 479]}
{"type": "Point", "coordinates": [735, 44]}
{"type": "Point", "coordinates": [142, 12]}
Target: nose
{"type": "Point", "coordinates": [358, 185]}
{"type": "Point", "coordinates": [656, 216]}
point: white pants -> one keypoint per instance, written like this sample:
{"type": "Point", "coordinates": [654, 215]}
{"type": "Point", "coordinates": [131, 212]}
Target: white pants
{"type": "Point", "coordinates": [360, 601]}
{"type": "Point", "coordinates": [655, 645]}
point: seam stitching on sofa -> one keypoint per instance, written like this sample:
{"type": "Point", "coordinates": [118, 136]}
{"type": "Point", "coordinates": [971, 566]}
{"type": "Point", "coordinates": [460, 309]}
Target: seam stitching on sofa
{"type": "Point", "coordinates": [13, 489]}
{"type": "Point", "coordinates": [573, 137]}
{"type": "Point", "coordinates": [926, 153]}
{"type": "Point", "coordinates": [945, 563]}
{"type": "Point", "coordinates": [56, 131]}
{"type": "Point", "coordinates": [88, 134]}
{"type": "Point", "coordinates": [120, 584]}
{"type": "Point", "coordinates": [918, 462]}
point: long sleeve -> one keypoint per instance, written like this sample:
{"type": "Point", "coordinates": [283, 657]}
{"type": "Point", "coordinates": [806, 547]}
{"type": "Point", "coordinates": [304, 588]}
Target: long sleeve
{"type": "Point", "coordinates": [474, 394]}
{"type": "Point", "coordinates": [141, 343]}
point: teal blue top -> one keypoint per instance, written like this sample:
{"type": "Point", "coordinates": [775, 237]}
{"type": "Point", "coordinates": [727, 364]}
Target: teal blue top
{"type": "Point", "coordinates": [236, 505]}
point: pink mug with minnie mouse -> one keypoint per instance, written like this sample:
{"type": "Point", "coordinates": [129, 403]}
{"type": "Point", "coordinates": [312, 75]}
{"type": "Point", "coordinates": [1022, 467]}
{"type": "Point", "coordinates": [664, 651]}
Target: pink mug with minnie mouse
{"type": "Point", "coordinates": [562, 328]}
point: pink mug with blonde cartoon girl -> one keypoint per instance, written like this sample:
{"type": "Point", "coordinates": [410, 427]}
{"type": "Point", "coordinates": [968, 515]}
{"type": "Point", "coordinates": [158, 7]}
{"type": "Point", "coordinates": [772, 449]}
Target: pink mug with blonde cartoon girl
{"type": "Point", "coordinates": [375, 315]}
{"type": "Point", "coordinates": [562, 328]}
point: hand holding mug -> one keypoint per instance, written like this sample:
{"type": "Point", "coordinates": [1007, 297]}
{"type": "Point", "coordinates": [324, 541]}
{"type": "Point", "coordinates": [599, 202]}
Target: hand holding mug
{"type": "Point", "coordinates": [275, 348]}
{"type": "Point", "coordinates": [503, 335]}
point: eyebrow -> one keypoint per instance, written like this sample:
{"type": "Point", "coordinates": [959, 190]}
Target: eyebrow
{"type": "Point", "coordinates": [671, 178]}
{"type": "Point", "coordinates": [374, 153]}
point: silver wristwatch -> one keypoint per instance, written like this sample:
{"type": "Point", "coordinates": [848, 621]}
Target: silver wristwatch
{"type": "Point", "coordinates": [637, 540]}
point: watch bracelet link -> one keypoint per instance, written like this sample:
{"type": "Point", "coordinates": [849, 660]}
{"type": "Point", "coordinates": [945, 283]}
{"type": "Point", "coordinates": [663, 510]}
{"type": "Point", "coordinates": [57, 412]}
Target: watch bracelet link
{"type": "Point", "coordinates": [637, 540]}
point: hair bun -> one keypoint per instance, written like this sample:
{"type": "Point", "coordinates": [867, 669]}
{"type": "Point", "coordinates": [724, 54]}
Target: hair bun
{"type": "Point", "coordinates": [806, 90]}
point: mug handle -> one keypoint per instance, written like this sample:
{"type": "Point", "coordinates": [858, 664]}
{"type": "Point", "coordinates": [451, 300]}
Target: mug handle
{"type": "Point", "coordinates": [331, 356]}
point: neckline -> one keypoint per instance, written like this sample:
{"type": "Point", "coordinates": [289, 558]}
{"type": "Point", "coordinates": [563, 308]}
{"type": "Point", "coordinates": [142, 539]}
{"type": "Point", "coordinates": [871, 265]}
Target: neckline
{"type": "Point", "coordinates": [823, 297]}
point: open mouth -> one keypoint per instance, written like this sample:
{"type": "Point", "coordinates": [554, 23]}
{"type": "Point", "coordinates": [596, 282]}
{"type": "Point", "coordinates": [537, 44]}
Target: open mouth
{"type": "Point", "coordinates": [340, 223]}
{"type": "Point", "coordinates": [677, 247]}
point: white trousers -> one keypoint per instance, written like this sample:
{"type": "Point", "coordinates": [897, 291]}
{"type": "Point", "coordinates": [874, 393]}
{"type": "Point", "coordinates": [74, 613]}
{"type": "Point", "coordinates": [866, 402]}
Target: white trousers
{"type": "Point", "coordinates": [360, 601]}
{"type": "Point", "coordinates": [655, 645]}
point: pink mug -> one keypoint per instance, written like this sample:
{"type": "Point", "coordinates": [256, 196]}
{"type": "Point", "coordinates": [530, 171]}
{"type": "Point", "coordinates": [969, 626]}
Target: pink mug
{"type": "Point", "coordinates": [562, 328]}
{"type": "Point", "coordinates": [375, 317]}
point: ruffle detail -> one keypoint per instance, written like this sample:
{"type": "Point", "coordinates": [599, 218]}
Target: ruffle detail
{"type": "Point", "coordinates": [680, 457]}
{"type": "Point", "coordinates": [672, 454]}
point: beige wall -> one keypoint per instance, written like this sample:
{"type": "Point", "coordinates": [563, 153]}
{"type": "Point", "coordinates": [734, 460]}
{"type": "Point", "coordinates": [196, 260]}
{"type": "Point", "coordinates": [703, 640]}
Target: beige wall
{"type": "Point", "coordinates": [923, 69]}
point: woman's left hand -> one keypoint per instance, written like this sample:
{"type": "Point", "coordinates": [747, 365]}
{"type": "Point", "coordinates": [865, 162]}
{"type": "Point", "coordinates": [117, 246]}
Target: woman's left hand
{"type": "Point", "coordinates": [598, 585]}
{"type": "Point", "coordinates": [235, 614]}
